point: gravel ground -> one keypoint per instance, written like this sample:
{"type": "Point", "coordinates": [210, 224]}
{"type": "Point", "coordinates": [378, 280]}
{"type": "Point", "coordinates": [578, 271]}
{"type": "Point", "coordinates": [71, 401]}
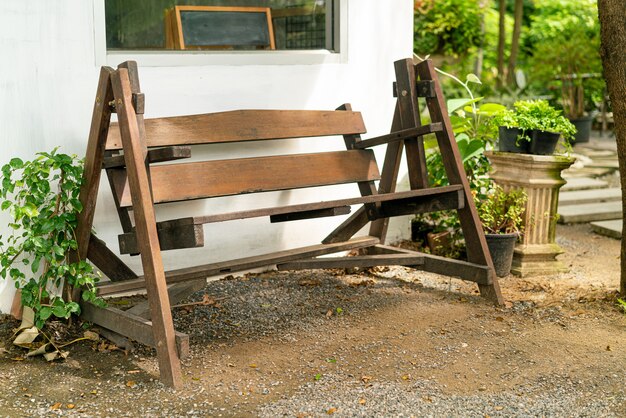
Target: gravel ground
{"type": "Point", "coordinates": [556, 396]}
{"type": "Point", "coordinates": [388, 342]}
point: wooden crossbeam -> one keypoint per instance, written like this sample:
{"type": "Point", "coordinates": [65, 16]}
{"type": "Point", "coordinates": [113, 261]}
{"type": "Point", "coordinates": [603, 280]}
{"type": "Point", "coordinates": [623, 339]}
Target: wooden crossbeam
{"type": "Point", "coordinates": [464, 270]}
{"type": "Point", "coordinates": [358, 261]}
{"type": "Point", "coordinates": [241, 264]}
{"type": "Point", "coordinates": [400, 135]}
{"type": "Point", "coordinates": [132, 326]}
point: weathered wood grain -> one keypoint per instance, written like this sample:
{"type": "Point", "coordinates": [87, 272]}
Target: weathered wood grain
{"type": "Point", "coordinates": [245, 125]}
{"type": "Point", "coordinates": [135, 157]}
{"type": "Point", "coordinates": [187, 181]}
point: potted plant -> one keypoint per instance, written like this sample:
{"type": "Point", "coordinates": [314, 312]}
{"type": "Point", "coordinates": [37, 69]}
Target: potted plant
{"type": "Point", "coordinates": [545, 125]}
{"type": "Point", "coordinates": [501, 213]}
{"type": "Point", "coordinates": [510, 137]}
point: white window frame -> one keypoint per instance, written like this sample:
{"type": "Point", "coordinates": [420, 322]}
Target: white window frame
{"type": "Point", "coordinates": [168, 58]}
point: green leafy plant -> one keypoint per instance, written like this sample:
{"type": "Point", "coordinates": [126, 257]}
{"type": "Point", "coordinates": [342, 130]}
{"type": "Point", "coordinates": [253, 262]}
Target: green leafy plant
{"type": "Point", "coordinates": [500, 211]}
{"type": "Point", "coordinates": [474, 132]}
{"type": "Point", "coordinates": [41, 197]}
{"type": "Point", "coordinates": [563, 41]}
{"type": "Point", "coordinates": [439, 27]}
{"type": "Point", "coordinates": [622, 304]}
{"type": "Point", "coordinates": [539, 114]}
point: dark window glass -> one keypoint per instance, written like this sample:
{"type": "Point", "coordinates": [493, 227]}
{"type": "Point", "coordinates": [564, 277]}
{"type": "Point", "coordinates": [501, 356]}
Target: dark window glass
{"type": "Point", "coordinates": [294, 24]}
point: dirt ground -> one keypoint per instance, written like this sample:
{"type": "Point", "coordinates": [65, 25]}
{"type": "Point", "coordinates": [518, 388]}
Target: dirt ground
{"type": "Point", "coordinates": [267, 336]}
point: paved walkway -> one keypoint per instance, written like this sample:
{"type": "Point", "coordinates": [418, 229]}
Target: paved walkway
{"type": "Point", "coordinates": [592, 193]}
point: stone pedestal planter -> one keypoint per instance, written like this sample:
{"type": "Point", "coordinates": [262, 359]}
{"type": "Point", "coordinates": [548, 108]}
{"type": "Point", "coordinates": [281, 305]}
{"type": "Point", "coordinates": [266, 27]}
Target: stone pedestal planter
{"type": "Point", "coordinates": [540, 177]}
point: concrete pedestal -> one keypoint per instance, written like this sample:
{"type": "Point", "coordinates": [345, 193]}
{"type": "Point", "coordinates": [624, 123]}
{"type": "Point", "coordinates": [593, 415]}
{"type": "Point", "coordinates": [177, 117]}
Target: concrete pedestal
{"type": "Point", "coordinates": [540, 177]}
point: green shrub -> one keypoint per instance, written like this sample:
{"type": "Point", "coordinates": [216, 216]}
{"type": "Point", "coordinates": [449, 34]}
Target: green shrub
{"type": "Point", "coordinates": [41, 197]}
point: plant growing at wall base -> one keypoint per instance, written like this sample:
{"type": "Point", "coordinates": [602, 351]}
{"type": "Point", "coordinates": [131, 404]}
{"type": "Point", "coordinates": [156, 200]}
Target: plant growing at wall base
{"type": "Point", "coordinates": [41, 197]}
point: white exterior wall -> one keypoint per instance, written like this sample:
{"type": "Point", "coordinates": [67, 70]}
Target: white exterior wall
{"type": "Point", "coordinates": [51, 52]}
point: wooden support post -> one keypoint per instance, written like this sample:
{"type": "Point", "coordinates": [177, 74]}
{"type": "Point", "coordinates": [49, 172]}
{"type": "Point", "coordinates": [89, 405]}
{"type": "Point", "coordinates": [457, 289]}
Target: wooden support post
{"type": "Point", "coordinates": [477, 251]}
{"type": "Point", "coordinates": [408, 109]}
{"type": "Point", "coordinates": [94, 157]}
{"type": "Point", "coordinates": [135, 153]}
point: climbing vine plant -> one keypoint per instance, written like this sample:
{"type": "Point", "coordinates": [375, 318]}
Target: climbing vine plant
{"type": "Point", "coordinates": [41, 197]}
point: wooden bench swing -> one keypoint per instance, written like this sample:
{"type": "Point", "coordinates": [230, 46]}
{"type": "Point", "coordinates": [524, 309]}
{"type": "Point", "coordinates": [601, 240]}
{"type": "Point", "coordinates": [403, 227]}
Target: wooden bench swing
{"type": "Point", "coordinates": [127, 153]}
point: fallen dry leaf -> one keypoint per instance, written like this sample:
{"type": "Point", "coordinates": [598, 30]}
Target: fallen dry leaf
{"type": "Point", "coordinates": [70, 406]}
{"type": "Point", "coordinates": [131, 384]}
{"type": "Point", "coordinates": [366, 379]}
{"type": "Point", "coordinates": [331, 411]}
{"type": "Point", "coordinates": [56, 406]}
{"type": "Point", "coordinates": [26, 337]}
{"type": "Point", "coordinates": [362, 401]}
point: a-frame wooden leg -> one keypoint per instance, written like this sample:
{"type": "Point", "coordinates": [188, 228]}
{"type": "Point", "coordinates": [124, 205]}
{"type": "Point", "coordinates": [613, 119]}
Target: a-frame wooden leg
{"type": "Point", "coordinates": [135, 154]}
{"type": "Point", "coordinates": [477, 250]}
{"type": "Point", "coordinates": [100, 120]}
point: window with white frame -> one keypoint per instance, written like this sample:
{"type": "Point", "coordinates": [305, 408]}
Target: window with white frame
{"type": "Point", "coordinates": [153, 25]}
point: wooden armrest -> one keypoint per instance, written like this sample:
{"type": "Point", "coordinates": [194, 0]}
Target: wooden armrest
{"type": "Point", "coordinates": [400, 135]}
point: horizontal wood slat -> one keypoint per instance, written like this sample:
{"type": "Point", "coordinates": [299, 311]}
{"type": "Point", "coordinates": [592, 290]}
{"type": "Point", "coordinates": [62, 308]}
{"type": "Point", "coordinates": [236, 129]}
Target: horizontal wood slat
{"type": "Point", "coordinates": [176, 182]}
{"type": "Point", "coordinates": [241, 264]}
{"type": "Point", "coordinates": [244, 125]}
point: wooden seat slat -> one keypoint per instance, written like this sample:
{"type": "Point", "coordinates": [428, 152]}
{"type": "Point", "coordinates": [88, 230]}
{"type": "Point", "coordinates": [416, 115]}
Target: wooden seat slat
{"type": "Point", "coordinates": [176, 182]}
{"type": "Point", "coordinates": [244, 125]}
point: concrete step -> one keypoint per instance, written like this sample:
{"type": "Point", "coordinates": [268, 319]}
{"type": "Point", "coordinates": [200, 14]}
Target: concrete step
{"type": "Point", "coordinates": [612, 228]}
{"type": "Point", "coordinates": [583, 183]}
{"type": "Point", "coordinates": [589, 212]}
{"type": "Point", "coordinates": [576, 197]}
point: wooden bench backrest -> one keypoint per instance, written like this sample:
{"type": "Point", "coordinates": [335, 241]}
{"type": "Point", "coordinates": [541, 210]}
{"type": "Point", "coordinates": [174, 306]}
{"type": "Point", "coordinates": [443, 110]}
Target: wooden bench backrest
{"type": "Point", "coordinates": [244, 125]}
{"type": "Point", "coordinates": [205, 179]}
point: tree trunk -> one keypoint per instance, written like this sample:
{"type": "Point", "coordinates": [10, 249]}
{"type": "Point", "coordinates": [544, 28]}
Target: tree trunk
{"type": "Point", "coordinates": [480, 54]}
{"type": "Point", "coordinates": [612, 15]}
{"type": "Point", "coordinates": [501, 42]}
{"type": "Point", "coordinates": [517, 30]}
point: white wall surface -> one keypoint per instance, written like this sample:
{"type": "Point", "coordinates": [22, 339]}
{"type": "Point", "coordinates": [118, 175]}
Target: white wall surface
{"type": "Point", "coordinates": [50, 55]}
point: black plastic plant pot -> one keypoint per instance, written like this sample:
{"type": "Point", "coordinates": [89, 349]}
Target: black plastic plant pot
{"type": "Point", "coordinates": [583, 129]}
{"type": "Point", "coordinates": [509, 141]}
{"type": "Point", "coordinates": [543, 142]}
{"type": "Point", "coordinates": [501, 248]}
